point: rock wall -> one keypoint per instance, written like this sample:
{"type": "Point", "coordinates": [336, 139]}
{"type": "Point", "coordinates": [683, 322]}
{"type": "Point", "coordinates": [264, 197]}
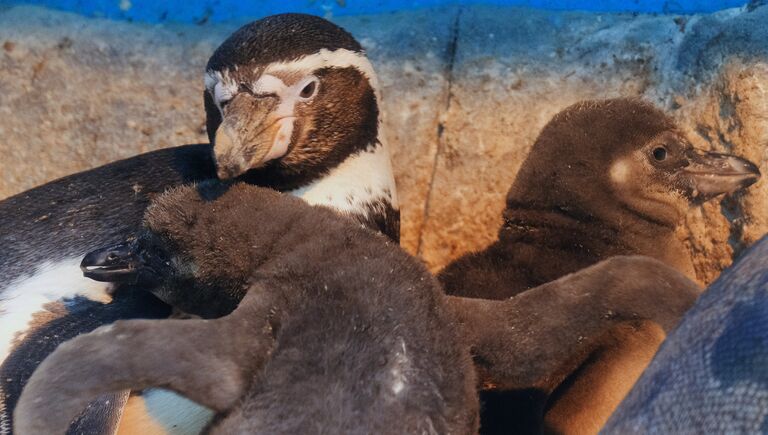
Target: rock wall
{"type": "Point", "coordinates": [466, 91]}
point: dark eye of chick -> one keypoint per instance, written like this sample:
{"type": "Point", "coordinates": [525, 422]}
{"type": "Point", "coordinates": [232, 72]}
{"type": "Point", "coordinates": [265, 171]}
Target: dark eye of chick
{"type": "Point", "coordinates": [160, 253]}
{"type": "Point", "coordinates": [308, 90]}
{"type": "Point", "coordinates": [152, 251]}
{"type": "Point", "coordinates": [660, 154]}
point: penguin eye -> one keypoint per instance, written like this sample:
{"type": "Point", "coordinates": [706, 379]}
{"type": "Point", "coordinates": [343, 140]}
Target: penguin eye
{"type": "Point", "coordinates": [155, 252]}
{"type": "Point", "coordinates": [160, 254]}
{"type": "Point", "coordinates": [309, 90]}
{"type": "Point", "coordinates": [660, 154]}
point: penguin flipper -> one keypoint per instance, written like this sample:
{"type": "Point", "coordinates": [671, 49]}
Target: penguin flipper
{"type": "Point", "coordinates": [83, 315]}
{"type": "Point", "coordinates": [102, 416]}
{"type": "Point", "coordinates": [529, 347]}
{"type": "Point", "coordinates": [193, 357]}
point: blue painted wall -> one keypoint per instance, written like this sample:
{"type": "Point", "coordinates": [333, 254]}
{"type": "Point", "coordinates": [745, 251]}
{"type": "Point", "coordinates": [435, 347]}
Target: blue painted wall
{"type": "Point", "coordinates": [201, 11]}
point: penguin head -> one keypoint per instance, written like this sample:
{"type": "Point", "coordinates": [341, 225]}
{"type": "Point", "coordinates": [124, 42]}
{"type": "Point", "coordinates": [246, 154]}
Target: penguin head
{"type": "Point", "coordinates": [196, 249]}
{"type": "Point", "coordinates": [293, 92]}
{"type": "Point", "coordinates": [623, 159]}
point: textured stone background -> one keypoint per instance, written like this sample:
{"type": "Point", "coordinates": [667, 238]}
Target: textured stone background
{"type": "Point", "coordinates": [466, 91]}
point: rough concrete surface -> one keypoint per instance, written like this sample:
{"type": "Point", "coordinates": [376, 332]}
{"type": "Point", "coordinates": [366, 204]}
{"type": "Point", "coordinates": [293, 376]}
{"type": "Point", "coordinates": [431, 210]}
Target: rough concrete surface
{"type": "Point", "coordinates": [466, 91]}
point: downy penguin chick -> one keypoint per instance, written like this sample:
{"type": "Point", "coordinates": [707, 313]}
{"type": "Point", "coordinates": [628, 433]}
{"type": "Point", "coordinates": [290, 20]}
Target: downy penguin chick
{"type": "Point", "coordinates": [327, 327]}
{"type": "Point", "coordinates": [636, 293]}
{"type": "Point", "coordinates": [604, 178]}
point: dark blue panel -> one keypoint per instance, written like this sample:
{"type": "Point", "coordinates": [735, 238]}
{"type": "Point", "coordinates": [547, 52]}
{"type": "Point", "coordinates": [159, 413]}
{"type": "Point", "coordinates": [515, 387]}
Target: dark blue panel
{"type": "Point", "coordinates": [200, 11]}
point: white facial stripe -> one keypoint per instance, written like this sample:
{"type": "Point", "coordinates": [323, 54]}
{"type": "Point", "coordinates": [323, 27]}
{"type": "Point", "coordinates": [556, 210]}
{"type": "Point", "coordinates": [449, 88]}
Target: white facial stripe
{"type": "Point", "coordinates": [341, 58]}
{"type": "Point", "coordinates": [223, 92]}
{"type": "Point", "coordinates": [282, 139]}
{"type": "Point", "coordinates": [266, 84]}
{"type": "Point", "coordinates": [213, 78]}
{"type": "Point", "coordinates": [269, 84]}
{"type": "Point", "coordinates": [210, 79]}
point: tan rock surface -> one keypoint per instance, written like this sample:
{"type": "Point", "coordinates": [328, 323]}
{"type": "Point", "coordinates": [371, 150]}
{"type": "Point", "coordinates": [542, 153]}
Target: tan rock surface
{"type": "Point", "coordinates": [466, 91]}
{"type": "Point", "coordinates": [410, 53]}
{"type": "Point", "coordinates": [79, 93]}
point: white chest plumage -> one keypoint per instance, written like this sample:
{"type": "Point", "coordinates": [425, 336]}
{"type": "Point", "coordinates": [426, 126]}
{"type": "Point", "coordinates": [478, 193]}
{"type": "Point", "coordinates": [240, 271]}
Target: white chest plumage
{"type": "Point", "coordinates": [362, 179]}
{"type": "Point", "coordinates": [26, 296]}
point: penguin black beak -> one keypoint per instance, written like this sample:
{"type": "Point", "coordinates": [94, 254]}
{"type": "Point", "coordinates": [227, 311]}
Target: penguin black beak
{"type": "Point", "coordinates": [711, 174]}
{"type": "Point", "coordinates": [118, 263]}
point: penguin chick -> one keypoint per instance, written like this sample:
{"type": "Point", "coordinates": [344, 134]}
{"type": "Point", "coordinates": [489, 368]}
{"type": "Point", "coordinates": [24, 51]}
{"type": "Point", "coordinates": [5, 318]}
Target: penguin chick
{"type": "Point", "coordinates": [531, 343]}
{"type": "Point", "coordinates": [627, 293]}
{"type": "Point", "coordinates": [326, 327]}
{"type": "Point", "coordinates": [604, 178]}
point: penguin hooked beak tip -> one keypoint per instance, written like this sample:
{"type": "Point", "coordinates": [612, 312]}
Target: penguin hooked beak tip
{"type": "Point", "coordinates": [242, 143]}
{"type": "Point", "coordinates": [228, 155]}
{"type": "Point", "coordinates": [228, 172]}
{"type": "Point", "coordinates": [710, 174]}
{"type": "Point", "coordinates": [117, 263]}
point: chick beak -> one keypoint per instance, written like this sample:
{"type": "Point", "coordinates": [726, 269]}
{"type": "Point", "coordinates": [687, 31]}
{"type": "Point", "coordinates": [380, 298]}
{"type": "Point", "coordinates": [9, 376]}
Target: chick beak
{"type": "Point", "coordinates": [710, 174]}
{"type": "Point", "coordinates": [117, 263]}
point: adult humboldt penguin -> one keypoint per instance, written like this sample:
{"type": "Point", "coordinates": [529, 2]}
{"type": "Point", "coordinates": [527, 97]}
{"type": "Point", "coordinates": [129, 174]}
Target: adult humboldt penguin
{"type": "Point", "coordinates": [604, 178]}
{"type": "Point", "coordinates": [291, 103]}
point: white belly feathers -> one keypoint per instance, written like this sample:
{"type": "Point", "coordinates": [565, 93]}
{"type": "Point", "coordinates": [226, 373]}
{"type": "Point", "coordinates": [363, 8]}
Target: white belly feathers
{"type": "Point", "coordinates": [25, 296]}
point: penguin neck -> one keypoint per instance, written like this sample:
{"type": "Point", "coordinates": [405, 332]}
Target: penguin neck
{"type": "Point", "coordinates": [656, 238]}
{"type": "Point", "coordinates": [570, 230]}
{"type": "Point", "coordinates": [362, 186]}
{"type": "Point", "coordinates": [356, 180]}
{"type": "Point", "coordinates": [555, 229]}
